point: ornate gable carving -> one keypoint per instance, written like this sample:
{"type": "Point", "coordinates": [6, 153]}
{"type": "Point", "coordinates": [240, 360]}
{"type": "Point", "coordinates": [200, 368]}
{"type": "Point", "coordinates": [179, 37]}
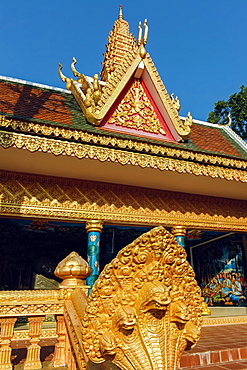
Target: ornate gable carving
{"type": "Point", "coordinates": [124, 60]}
{"type": "Point", "coordinates": [135, 113]}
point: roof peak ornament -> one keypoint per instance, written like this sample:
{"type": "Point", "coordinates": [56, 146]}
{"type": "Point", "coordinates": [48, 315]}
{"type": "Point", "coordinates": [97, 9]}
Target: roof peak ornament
{"type": "Point", "coordinates": [120, 43]}
{"type": "Point", "coordinates": [126, 59]}
{"type": "Point", "coordinates": [63, 77]}
{"type": "Point", "coordinates": [142, 40]}
{"type": "Point", "coordinates": [120, 14]}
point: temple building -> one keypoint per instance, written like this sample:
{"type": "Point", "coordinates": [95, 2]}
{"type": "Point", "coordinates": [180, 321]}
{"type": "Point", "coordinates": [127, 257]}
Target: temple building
{"type": "Point", "coordinates": [104, 176]}
{"type": "Point", "coordinates": [109, 157]}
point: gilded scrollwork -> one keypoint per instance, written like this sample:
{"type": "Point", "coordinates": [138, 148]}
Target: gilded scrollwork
{"type": "Point", "coordinates": [24, 334]}
{"type": "Point", "coordinates": [145, 308]}
{"type": "Point", "coordinates": [135, 111]}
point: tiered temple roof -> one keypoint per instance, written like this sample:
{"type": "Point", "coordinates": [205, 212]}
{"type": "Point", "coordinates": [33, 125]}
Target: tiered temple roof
{"type": "Point", "coordinates": [39, 109]}
{"type": "Point", "coordinates": [127, 117]}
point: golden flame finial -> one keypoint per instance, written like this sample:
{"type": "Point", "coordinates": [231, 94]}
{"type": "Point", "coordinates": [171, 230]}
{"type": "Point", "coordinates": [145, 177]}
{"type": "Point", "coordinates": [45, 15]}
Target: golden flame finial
{"type": "Point", "coordinates": [120, 14]}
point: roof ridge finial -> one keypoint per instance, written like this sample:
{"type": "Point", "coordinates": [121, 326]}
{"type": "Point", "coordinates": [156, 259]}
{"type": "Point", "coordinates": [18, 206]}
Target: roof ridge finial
{"type": "Point", "coordinates": [120, 14]}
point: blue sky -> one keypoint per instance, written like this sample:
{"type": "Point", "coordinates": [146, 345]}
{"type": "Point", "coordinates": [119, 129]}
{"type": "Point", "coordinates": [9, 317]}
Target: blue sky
{"type": "Point", "coordinates": [198, 47]}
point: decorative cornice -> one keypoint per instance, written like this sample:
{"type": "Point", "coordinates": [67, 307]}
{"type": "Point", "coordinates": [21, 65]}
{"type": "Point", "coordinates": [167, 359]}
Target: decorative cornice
{"type": "Point", "coordinates": [80, 201]}
{"type": "Point", "coordinates": [79, 150]}
{"type": "Point", "coordinates": [129, 144]}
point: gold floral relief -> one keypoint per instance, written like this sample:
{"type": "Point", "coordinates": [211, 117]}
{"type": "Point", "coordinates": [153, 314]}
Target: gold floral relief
{"type": "Point", "coordinates": [135, 111]}
{"type": "Point", "coordinates": [146, 306]}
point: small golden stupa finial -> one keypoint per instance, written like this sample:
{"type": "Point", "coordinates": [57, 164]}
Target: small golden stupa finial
{"type": "Point", "coordinates": [120, 14]}
{"type": "Point", "coordinates": [72, 269]}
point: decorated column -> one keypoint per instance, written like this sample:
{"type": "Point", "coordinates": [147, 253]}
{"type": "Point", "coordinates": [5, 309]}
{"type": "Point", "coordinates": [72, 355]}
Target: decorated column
{"type": "Point", "coordinates": [179, 232]}
{"type": "Point", "coordinates": [93, 228]}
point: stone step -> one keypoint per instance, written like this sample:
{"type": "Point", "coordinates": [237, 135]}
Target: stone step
{"type": "Point", "coordinates": [195, 360]}
{"type": "Point", "coordinates": [236, 365]}
{"type": "Point", "coordinates": [219, 346]}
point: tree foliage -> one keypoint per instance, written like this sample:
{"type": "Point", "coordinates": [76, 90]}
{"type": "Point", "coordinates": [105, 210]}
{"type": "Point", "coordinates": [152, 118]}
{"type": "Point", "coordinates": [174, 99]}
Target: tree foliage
{"type": "Point", "coordinates": [236, 105]}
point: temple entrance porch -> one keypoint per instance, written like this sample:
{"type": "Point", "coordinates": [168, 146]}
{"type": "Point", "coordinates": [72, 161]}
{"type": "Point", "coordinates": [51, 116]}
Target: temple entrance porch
{"type": "Point", "coordinates": [31, 249]}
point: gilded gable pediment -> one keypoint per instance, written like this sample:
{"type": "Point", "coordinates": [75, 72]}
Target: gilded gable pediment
{"type": "Point", "coordinates": [129, 81]}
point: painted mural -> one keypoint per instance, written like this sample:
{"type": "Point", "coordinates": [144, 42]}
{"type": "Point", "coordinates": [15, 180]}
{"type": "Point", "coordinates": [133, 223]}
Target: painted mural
{"type": "Point", "coordinates": [220, 268]}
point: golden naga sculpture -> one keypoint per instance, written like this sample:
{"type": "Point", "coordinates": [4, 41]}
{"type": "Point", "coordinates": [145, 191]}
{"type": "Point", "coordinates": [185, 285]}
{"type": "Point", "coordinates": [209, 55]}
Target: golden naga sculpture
{"type": "Point", "coordinates": [229, 120]}
{"type": "Point", "coordinates": [145, 308]}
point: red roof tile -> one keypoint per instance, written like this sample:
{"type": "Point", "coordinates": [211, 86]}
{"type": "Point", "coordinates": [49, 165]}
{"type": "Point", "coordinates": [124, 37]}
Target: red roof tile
{"type": "Point", "coordinates": [47, 105]}
{"type": "Point", "coordinates": [31, 102]}
{"type": "Point", "coordinates": [210, 139]}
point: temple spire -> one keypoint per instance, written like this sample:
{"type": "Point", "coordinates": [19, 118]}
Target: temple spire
{"type": "Point", "coordinates": [120, 43]}
{"type": "Point", "coordinates": [120, 14]}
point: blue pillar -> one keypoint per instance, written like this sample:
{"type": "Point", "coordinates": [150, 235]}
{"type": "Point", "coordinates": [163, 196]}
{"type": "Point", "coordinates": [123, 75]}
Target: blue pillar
{"type": "Point", "coordinates": [93, 229]}
{"type": "Point", "coordinates": [179, 232]}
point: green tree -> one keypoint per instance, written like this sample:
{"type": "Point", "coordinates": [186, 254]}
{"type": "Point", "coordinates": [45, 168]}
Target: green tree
{"type": "Point", "coordinates": [236, 105]}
